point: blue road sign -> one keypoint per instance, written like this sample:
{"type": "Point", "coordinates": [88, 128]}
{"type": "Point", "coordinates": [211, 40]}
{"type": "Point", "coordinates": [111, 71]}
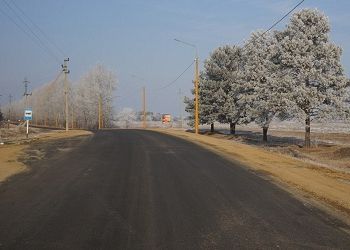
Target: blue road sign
{"type": "Point", "coordinates": [28, 114]}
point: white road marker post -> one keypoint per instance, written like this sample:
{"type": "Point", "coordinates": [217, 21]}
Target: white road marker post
{"type": "Point", "coordinates": [27, 128]}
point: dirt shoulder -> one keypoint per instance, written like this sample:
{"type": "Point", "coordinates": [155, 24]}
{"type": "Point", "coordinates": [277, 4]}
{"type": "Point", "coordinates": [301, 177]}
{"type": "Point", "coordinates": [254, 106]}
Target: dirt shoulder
{"type": "Point", "coordinates": [11, 153]}
{"type": "Point", "coordinates": [331, 187]}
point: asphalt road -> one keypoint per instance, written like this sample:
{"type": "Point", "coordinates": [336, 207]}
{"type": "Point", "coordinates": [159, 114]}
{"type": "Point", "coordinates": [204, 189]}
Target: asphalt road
{"type": "Point", "coordinates": [134, 189]}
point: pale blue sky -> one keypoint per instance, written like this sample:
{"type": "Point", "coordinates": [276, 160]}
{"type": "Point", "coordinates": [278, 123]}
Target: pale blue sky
{"type": "Point", "coordinates": [136, 38]}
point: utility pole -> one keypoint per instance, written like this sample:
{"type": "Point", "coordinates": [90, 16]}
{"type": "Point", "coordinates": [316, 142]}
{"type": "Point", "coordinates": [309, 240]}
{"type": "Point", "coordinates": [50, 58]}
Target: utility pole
{"type": "Point", "coordinates": [26, 94]}
{"type": "Point", "coordinates": [196, 83]}
{"type": "Point", "coordinates": [72, 116]}
{"type": "Point", "coordinates": [181, 107]}
{"type": "Point", "coordinates": [9, 112]}
{"type": "Point", "coordinates": [0, 109]}
{"type": "Point", "coordinates": [100, 116]}
{"type": "Point", "coordinates": [144, 106]}
{"type": "Point", "coordinates": [66, 72]}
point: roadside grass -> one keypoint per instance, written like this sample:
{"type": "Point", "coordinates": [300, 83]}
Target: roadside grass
{"type": "Point", "coordinates": [9, 163]}
{"type": "Point", "coordinates": [329, 150]}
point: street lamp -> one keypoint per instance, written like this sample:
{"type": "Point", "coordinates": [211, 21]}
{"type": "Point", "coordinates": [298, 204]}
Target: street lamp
{"type": "Point", "coordinates": [196, 83]}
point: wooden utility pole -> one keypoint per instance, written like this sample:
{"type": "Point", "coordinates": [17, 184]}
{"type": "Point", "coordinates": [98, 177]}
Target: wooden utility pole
{"type": "Point", "coordinates": [100, 115]}
{"type": "Point", "coordinates": [72, 108]}
{"type": "Point", "coordinates": [196, 83]}
{"type": "Point", "coordinates": [66, 72]}
{"type": "Point", "coordinates": [181, 107]}
{"type": "Point", "coordinates": [10, 107]}
{"type": "Point", "coordinates": [144, 106]}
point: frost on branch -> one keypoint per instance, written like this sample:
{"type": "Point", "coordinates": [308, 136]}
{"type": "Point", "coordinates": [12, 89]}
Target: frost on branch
{"type": "Point", "coordinates": [97, 83]}
{"type": "Point", "coordinates": [314, 63]}
{"type": "Point", "coordinates": [269, 81]}
{"type": "Point", "coordinates": [223, 90]}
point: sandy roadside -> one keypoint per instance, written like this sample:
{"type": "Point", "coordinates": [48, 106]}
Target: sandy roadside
{"type": "Point", "coordinates": [10, 153]}
{"type": "Point", "coordinates": [330, 187]}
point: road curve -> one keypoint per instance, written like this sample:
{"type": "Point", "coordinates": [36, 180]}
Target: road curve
{"type": "Point", "coordinates": [135, 189]}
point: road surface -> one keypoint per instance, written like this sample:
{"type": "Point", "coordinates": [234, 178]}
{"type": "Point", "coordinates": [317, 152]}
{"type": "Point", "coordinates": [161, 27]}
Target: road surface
{"type": "Point", "coordinates": [134, 189]}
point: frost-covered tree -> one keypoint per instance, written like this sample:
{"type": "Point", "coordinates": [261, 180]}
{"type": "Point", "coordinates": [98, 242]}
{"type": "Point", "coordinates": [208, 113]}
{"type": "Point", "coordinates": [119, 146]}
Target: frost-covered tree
{"type": "Point", "coordinates": [48, 101]}
{"type": "Point", "coordinates": [189, 108]}
{"type": "Point", "coordinates": [227, 92]}
{"type": "Point", "coordinates": [223, 91]}
{"type": "Point", "coordinates": [270, 83]}
{"type": "Point", "coordinates": [98, 84]}
{"type": "Point", "coordinates": [208, 108]}
{"type": "Point", "coordinates": [347, 102]}
{"type": "Point", "coordinates": [207, 114]}
{"type": "Point", "coordinates": [126, 116]}
{"type": "Point", "coordinates": [1, 117]}
{"type": "Point", "coordinates": [314, 62]}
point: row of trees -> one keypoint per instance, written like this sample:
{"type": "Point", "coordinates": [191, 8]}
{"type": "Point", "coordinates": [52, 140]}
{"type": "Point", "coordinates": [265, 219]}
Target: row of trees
{"type": "Point", "coordinates": [293, 73]}
{"type": "Point", "coordinates": [1, 117]}
{"type": "Point", "coordinates": [48, 102]}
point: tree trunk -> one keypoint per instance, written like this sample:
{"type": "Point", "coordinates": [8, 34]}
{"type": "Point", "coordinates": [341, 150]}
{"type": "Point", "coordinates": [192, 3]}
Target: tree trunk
{"type": "Point", "coordinates": [307, 132]}
{"type": "Point", "coordinates": [232, 128]}
{"type": "Point", "coordinates": [265, 134]}
{"type": "Point", "coordinates": [212, 127]}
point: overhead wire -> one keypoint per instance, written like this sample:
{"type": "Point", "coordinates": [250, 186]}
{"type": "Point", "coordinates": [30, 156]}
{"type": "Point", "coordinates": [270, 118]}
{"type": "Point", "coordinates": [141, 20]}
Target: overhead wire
{"type": "Point", "coordinates": [43, 45]}
{"type": "Point", "coordinates": [18, 26]}
{"type": "Point", "coordinates": [177, 78]}
{"type": "Point", "coordinates": [281, 19]}
{"type": "Point", "coordinates": [39, 29]}
{"type": "Point", "coordinates": [262, 34]}
{"type": "Point", "coordinates": [31, 34]}
{"type": "Point", "coordinates": [274, 24]}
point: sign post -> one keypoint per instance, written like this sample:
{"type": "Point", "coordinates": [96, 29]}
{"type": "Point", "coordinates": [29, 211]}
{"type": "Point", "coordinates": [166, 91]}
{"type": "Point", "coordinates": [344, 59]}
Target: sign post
{"type": "Point", "coordinates": [28, 116]}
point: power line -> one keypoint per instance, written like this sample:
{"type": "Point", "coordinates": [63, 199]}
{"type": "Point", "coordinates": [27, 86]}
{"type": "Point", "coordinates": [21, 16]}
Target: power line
{"type": "Point", "coordinates": [14, 22]}
{"type": "Point", "coordinates": [32, 32]}
{"type": "Point", "coordinates": [177, 78]}
{"type": "Point", "coordinates": [281, 19]}
{"type": "Point", "coordinates": [39, 29]}
{"type": "Point", "coordinates": [274, 24]}
{"type": "Point", "coordinates": [39, 42]}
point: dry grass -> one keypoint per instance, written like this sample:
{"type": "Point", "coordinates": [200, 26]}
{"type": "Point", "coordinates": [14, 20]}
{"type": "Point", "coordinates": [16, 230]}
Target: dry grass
{"type": "Point", "coordinates": [328, 185]}
{"type": "Point", "coordinates": [16, 133]}
{"type": "Point", "coordinates": [333, 157]}
{"type": "Point", "coordinates": [10, 153]}
{"type": "Point", "coordinates": [330, 150]}
{"type": "Point", "coordinates": [59, 134]}
{"type": "Point", "coordinates": [9, 164]}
